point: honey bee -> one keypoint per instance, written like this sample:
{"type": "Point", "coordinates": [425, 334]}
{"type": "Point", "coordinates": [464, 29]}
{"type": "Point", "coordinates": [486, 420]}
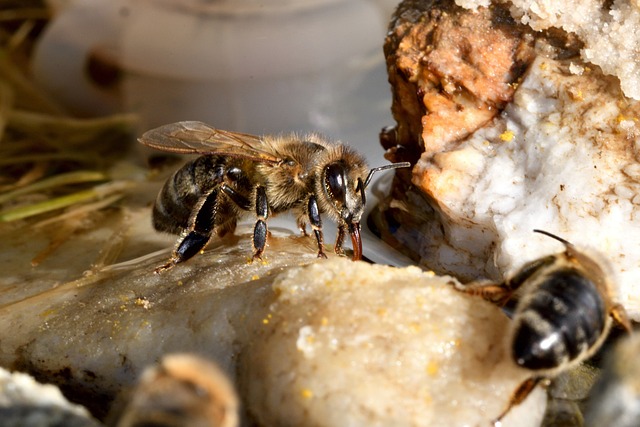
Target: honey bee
{"type": "Point", "coordinates": [182, 390]}
{"type": "Point", "coordinates": [563, 314]}
{"type": "Point", "coordinates": [239, 173]}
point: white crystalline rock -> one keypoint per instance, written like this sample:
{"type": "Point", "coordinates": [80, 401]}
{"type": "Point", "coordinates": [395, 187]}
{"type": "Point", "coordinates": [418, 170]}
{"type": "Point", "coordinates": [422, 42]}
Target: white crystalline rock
{"type": "Point", "coordinates": [26, 403]}
{"type": "Point", "coordinates": [563, 157]}
{"type": "Point", "coordinates": [473, 4]}
{"type": "Point", "coordinates": [610, 32]}
{"type": "Point", "coordinates": [353, 344]}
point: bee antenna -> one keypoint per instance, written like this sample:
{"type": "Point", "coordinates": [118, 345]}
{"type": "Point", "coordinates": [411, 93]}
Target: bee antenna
{"type": "Point", "coordinates": [382, 168]}
{"type": "Point", "coordinates": [553, 236]}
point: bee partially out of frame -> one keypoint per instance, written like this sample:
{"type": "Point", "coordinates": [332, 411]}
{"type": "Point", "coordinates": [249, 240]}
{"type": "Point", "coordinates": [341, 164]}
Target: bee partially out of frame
{"type": "Point", "coordinates": [563, 315]}
{"type": "Point", "coordinates": [239, 173]}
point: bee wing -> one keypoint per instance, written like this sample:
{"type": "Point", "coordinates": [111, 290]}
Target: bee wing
{"type": "Point", "coordinates": [200, 138]}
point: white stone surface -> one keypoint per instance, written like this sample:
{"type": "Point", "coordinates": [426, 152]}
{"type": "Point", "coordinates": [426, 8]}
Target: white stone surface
{"type": "Point", "coordinates": [352, 344]}
{"type": "Point", "coordinates": [26, 403]}
{"type": "Point", "coordinates": [562, 157]}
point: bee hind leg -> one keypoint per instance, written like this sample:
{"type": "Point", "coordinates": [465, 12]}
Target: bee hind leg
{"type": "Point", "coordinates": [197, 237]}
{"type": "Point", "coordinates": [518, 396]}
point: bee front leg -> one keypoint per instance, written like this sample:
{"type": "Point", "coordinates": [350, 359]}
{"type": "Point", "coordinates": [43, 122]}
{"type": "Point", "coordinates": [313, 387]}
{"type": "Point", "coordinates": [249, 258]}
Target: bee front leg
{"type": "Point", "coordinates": [260, 229]}
{"type": "Point", "coordinates": [619, 314]}
{"type": "Point", "coordinates": [316, 224]}
{"type": "Point", "coordinates": [496, 293]}
{"type": "Point", "coordinates": [342, 232]}
{"type": "Point", "coordinates": [197, 236]}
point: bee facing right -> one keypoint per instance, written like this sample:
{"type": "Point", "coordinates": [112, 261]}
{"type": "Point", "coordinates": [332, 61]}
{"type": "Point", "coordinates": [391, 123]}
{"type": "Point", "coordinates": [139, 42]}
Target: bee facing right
{"type": "Point", "coordinates": [564, 313]}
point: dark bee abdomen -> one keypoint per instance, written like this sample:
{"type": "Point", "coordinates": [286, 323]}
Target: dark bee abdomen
{"type": "Point", "coordinates": [563, 318]}
{"type": "Point", "coordinates": [180, 194]}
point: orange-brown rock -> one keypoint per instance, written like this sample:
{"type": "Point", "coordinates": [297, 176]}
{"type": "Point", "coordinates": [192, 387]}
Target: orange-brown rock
{"type": "Point", "coordinates": [452, 70]}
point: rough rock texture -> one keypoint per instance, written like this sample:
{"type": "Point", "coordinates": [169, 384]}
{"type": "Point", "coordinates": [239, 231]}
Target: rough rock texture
{"type": "Point", "coordinates": [562, 157]}
{"type": "Point", "coordinates": [393, 338]}
{"type": "Point", "coordinates": [26, 403]}
{"type": "Point", "coordinates": [609, 30]}
{"type": "Point", "coordinates": [352, 344]}
{"type": "Point", "coordinates": [451, 70]}
{"type": "Point", "coordinates": [96, 334]}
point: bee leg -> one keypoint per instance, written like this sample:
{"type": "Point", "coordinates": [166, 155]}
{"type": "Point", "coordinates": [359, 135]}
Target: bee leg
{"type": "Point", "coordinates": [197, 237]}
{"type": "Point", "coordinates": [316, 224]}
{"type": "Point", "coordinates": [519, 395]}
{"type": "Point", "coordinates": [619, 314]}
{"type": "Point", "coordinates": [496, 293]}
{"type": "Point", "coordinates": [302, 226]}
{"type": "Point", "coordinates": [260, 230]}
{"type": "Point", "coordinates": [241, 201]}
{"type": "Point", "coordinates": [342, 232]}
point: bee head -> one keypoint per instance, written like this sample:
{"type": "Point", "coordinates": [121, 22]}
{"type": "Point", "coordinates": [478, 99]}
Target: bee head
{"type": "Point", "coordinates": [344, 187]}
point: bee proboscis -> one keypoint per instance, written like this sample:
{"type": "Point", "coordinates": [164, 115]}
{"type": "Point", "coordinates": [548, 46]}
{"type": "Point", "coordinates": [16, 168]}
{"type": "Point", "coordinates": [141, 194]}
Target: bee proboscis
{"type": "Point", "coordinates": [238, 173]}
{"type": "Point", "coordinates": [563, 314]}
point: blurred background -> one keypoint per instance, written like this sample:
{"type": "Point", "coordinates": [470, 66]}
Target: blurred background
{"type": "Point", "coordinates": [243, 65]}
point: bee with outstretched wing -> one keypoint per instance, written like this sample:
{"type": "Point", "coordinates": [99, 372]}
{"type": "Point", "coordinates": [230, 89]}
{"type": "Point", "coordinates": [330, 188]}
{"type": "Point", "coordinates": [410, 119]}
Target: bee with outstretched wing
{"type": "Point", "coordinates": [238, 173]}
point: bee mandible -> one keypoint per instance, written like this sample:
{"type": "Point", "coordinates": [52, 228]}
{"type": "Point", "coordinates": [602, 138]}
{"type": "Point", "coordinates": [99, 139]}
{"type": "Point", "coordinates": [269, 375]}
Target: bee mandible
{"type": "Point", "coordinates": [562, 316]}
{"type": "Point", "coordinates": [238, 173]}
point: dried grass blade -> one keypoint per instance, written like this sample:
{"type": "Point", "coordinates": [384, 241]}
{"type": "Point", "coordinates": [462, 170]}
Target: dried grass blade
{"type": "Point", "coordinates": [55, 181]}
{"type": "Point", "coordinates": [97, 192]}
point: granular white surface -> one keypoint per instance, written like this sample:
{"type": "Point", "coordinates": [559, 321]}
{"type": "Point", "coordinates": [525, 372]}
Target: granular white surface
{"type": "Point", "coordinates": [353, 344]}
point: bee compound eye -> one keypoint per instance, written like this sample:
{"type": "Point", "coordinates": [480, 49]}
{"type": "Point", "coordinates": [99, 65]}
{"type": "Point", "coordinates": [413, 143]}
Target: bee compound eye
{"type": "Point", "coordinates": [335, 179]}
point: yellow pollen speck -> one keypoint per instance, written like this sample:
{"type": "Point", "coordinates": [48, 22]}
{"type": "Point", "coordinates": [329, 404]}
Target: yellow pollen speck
{"type": "Point", "coordinates": [576, 94]}
{"type": "Point", "coordinates": [543, 65]}
{"type": "Point", "coordinates": [266, 320]}
{"type": "Point", "coordinates": [306, 393]}
{"type": "Point", "coordinates": [507, 135]}
{"type": "Point", "coordinates": [324, 321]}
{"type": "Point", "coordinates": [382, 311]}
{"type": "Point", "coordinates": [255, 277]}
{"type": "Point", "coordinates": [179, 282]}
{"type": "Point", "coordinates": [432, 368]}
{"type": "Point", "coordinates": [142, 302]}
{"type": "Point", "coordinates": [47, 313]}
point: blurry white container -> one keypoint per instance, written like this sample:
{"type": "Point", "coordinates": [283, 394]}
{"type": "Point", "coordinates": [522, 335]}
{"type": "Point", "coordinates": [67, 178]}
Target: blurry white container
{"type": "Point", "coordinates": [252, 66]}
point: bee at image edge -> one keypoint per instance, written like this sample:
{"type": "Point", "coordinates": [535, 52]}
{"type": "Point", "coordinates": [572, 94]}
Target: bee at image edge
{"type": "Point", "coordinates": [238, 173]}
{"type": "Point", "coordinates": [181, 390]}
{"type": "Point", "coordinates": [563, 314]}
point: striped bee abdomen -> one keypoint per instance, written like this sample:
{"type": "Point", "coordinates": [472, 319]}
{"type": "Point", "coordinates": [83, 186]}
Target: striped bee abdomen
{"type": "Point", "coordinates": [184, 190]}
{"type": "Point", "coordinates": [560, 320]}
